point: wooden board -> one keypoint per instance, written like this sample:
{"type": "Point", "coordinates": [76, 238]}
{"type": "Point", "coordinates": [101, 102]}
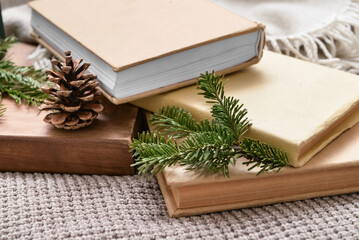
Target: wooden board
{"type": "Point", "coordinates": [30, 145]}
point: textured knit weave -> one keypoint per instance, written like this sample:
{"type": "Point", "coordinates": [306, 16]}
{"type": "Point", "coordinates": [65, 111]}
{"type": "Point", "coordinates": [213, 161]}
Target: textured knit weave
{"type": "Point", "coordinates": [46, 206]}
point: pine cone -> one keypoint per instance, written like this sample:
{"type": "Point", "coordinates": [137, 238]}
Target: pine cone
{"type": "Point", "coordinates": [73, 101]}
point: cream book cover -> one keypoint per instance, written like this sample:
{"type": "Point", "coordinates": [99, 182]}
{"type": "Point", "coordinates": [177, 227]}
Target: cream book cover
{"type": "Point", "coordinates": [142, 47]}
{"type": "Point", "coordinates": [294, 105]}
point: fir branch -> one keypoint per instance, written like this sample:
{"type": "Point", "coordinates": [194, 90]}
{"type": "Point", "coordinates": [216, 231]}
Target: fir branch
{"type": "Point", "coordinates": [262, 155]}
{"type": "Point", "coordinates": [209, 152]}
{"type": "Point", "coordinates": [175, 121]}
{"type": "Point", "coordinates": [226, 110]}
{"type": "Point", "coordinates": [153, 150]}
{"type": "Point", "coordinates": [207, 146]}
{"type": "Point", "coordinates": [20, 82]}
{"type": "Point", "coordinates": [2, 109]}
{"type": "Point", "coordinates": [32, 77]}
{"type": "Point", "coordinates": [21, 87]}
{"type": "Point", "coordinates": [5, 44]}
{"type": "Point", "coordinates": [205, 151]}
{"type": "Point", "coordinates": [178, 123]}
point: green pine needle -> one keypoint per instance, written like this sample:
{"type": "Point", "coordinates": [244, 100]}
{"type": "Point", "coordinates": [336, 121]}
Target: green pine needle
{"type": "Point", "coordinates": [20, 82]}
{"type": "Point", "coordinates": [208, 152]}
{"type": "Point", "coordinates": [204, 151]}
{"type": "Point", "coordinates": [154, 150]}
{"type": "Point", "coordinates": [2, 108]}
{"type": "Point", "coordinates": [175, 121]}
{"type": "Point", "coordinates": [205, 146]}
{"type": "Point", "coordinates": [262, 155]}
{"type": "Point", "coordinates": [226, 110]}
{"type": "Point", "coordinates": [178, 123]}
{"type": "Point", "coordinates": [5, 44]}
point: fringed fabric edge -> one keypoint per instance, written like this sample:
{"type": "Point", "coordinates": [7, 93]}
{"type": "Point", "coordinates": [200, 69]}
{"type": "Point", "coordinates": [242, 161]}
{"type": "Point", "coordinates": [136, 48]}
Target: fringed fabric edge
{"type": "Point", "coordinates": [335, 45]}
{"type": "Point", "coordinates": [41, 58]}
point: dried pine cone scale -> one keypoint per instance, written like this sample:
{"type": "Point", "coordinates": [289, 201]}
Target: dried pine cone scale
{"type": "Point", "coordinates": [73, 101]}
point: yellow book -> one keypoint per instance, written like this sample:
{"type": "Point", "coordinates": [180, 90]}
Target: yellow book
{"type": "Point", "coordinates": [139, 47]}
{"type": "Point", "coordinates": [294, 105]}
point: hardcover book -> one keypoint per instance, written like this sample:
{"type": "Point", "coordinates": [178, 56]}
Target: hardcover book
{"type": "Point", "coordinates": [139, 47]}
{"type": "Point", "coordinates": [332, 171]}
{"type": "Point", "coordinates": [293, 105]}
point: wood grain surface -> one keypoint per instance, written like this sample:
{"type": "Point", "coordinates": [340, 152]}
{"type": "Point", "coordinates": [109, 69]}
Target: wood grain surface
{"type": "Point", "coordinates": [27, 144]}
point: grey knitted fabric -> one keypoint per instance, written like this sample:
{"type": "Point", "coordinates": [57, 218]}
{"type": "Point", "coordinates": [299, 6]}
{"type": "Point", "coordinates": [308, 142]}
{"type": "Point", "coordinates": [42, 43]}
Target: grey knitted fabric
{"type": "Point", "coordinates": [47, 206]}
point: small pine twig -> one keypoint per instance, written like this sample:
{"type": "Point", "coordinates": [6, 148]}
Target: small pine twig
{"type": "Point", "coordinates": [208, 152]}
{"type": "Point", "coordinates": [20, 82]}
{"type": "Point", "coordinates": [153, 151]}
{"type": "Point", "coordinates": [206, 146]}
{"type": "Point", "coordinates": [2, 107]}
{"type": "Point", "coordinates": [178, 123]}
{"type": "Point", "coordinates": [226, 110]}
{"type": "Point", "coordinates": [5, 44]}
{"type": "Point", "coordinates": [262, 155]}
{"type": "Point", "coordinates": [204, 151]}
{"type": "Point", "coordinates": [175, 121]}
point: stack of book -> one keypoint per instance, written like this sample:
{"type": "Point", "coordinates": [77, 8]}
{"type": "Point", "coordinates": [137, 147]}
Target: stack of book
{"type": "Point", "coordinates": [297, 106]}
{"type": "Point", "coordinates": [141, 48]}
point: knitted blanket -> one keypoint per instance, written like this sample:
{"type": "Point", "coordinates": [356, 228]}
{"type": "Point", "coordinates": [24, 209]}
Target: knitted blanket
{"type": "Point", "coordinates": [55, 206]}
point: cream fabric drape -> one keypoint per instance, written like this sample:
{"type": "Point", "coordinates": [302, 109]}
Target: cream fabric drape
{"type": "Point", "coordinates": [324, 32]}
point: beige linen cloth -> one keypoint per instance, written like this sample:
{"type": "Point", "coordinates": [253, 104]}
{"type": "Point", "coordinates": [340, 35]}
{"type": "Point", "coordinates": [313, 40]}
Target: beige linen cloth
{"type": "Point", "coordinates": [324, 32]}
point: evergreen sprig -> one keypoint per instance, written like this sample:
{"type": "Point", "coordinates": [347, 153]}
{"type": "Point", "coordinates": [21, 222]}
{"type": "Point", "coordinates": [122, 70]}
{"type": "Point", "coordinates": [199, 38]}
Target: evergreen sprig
{"type": "Point", "coordinates": [262, 155]}
{"type": "Point", "coordinates": [5, 44]}
{"type": "Point", "coordinates": [226, 110]}
{"type": "Point", "coordinates": [154, 150]}
{"type": "Point", "coordinates": [20, 82]}
{"type": "Point", "coordinates": [175, 121]}
{"type": "Point", "coordinates": [2, 107]}
{"type": "Point", "coordinates": [208, 146]}
{"type": "Point", "coordinates": [179, 123]}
